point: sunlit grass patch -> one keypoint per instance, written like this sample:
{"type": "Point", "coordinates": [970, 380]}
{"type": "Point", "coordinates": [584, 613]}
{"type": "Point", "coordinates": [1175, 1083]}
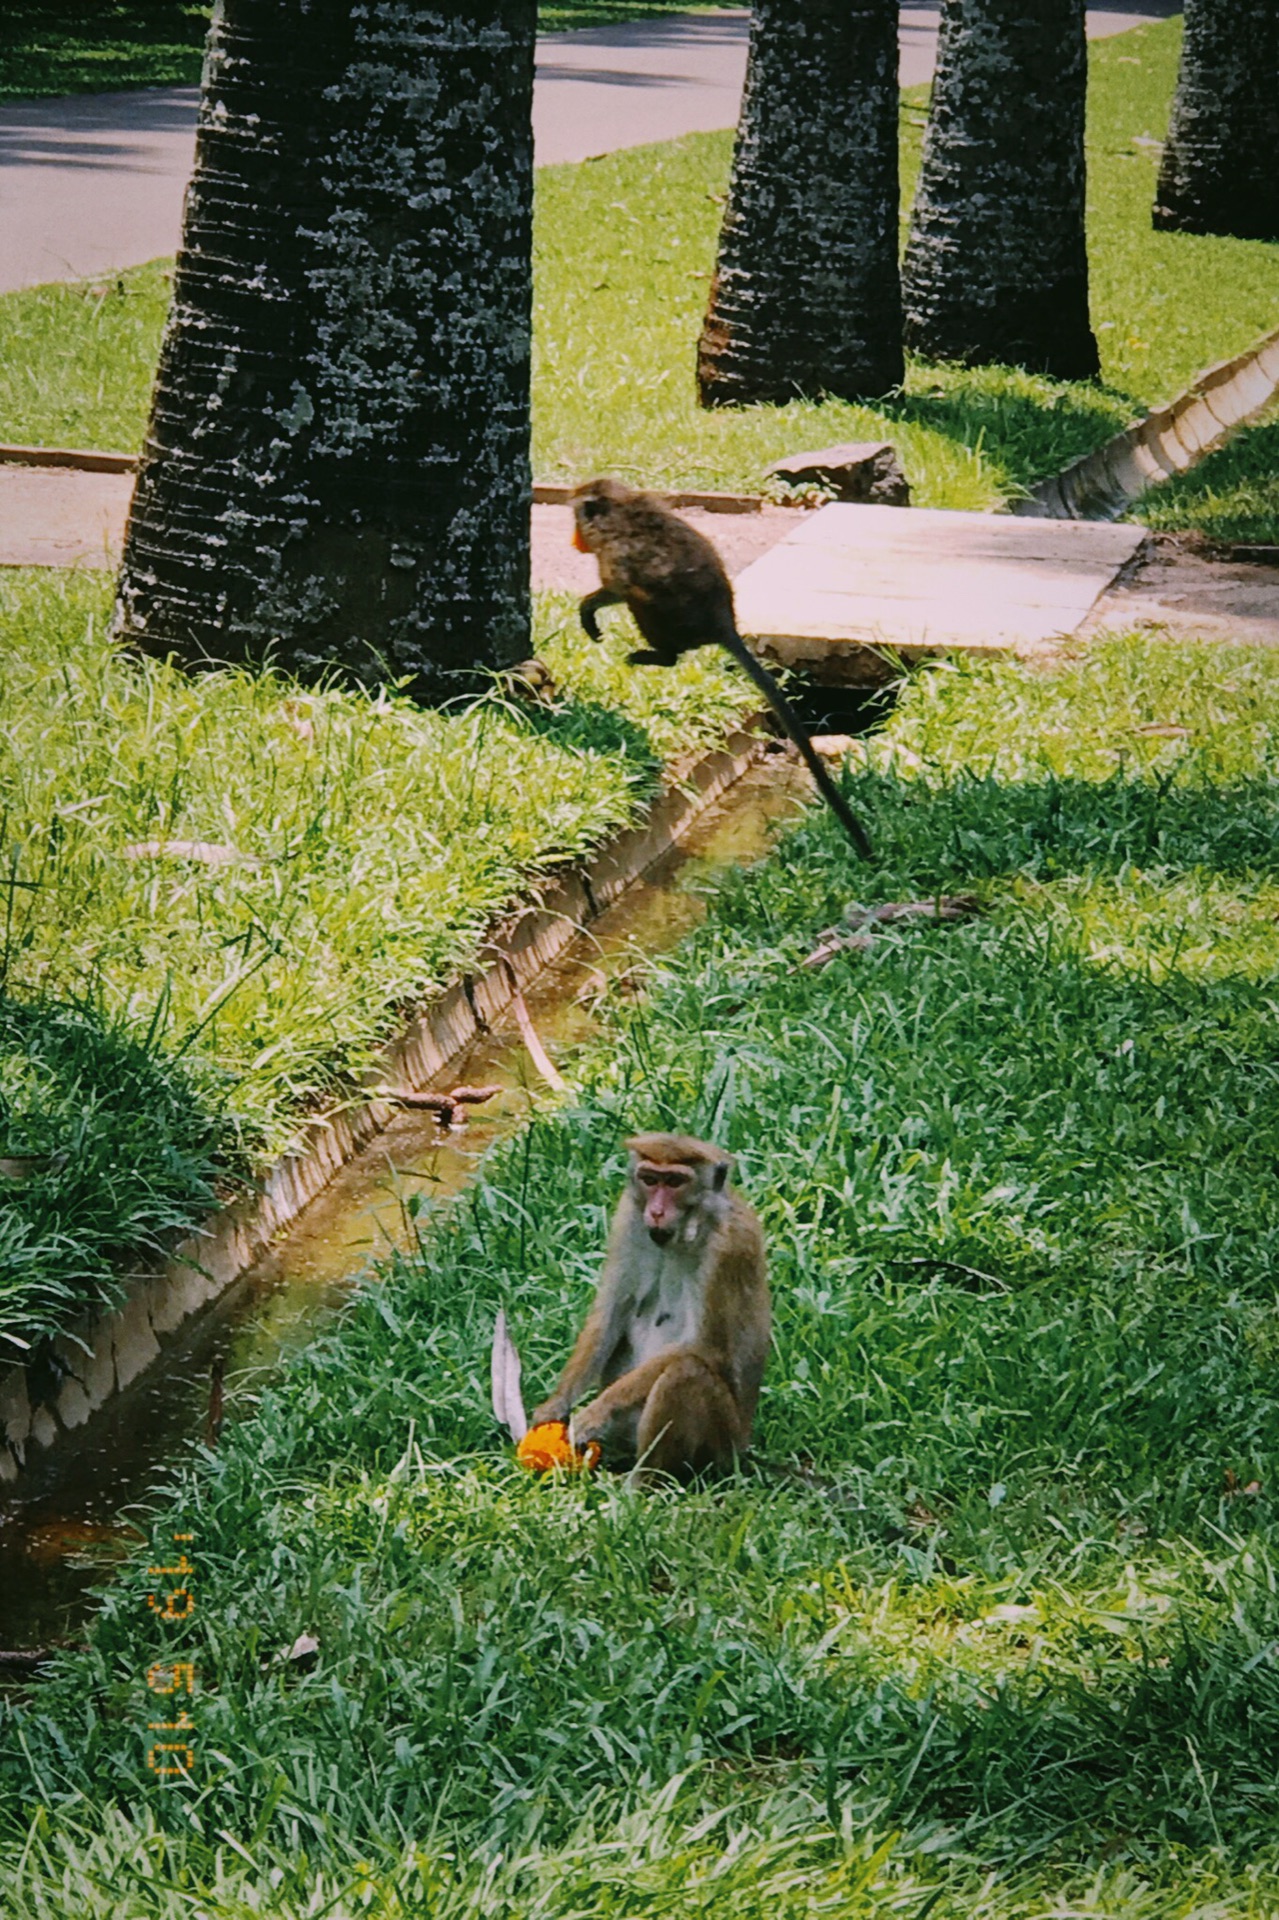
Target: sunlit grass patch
{"type": "Point", "coordinates": [360, 846]}
{"type": "Point", "coordinates": [992, 1614]}
{"type": "Point", "coordinates": [106, 1149]}
{"type": "Point", "coordinates": [1160, 923]}
{"type": "Point", "coordinates": [77, 358]}
{"type": "Point", "coordinates": [1125, 705]}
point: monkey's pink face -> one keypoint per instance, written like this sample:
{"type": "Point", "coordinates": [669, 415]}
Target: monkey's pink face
{"type": "Point", "coordinates": [664, 1193]}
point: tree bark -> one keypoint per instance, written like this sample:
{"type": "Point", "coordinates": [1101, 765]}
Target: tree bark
{"type": "Point", "coordinates": [1220, 171]}
{"type": "Point", "coordinates": [336, 471]}
{"type": "Point", "coordinates": [996, 264]}
{"type": "Point", "coordinates": [806, 298]}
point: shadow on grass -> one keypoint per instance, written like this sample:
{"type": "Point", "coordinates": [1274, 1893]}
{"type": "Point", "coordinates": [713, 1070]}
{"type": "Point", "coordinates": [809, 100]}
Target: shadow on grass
{"type": "Point", "coordinates": [1023, 1762]}
{"type": "Point", "coordinates": [587, 726]}
{"type": "Point", "coordinates": [979, 826]}
{"type": "Point", "coordinates": [1029, 433]}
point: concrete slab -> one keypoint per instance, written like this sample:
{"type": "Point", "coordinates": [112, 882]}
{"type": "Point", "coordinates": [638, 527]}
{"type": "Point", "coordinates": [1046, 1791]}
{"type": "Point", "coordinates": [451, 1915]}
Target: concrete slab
{"type": "Point", "coordinates": [740, 538]}
{"type": "Point", "coordinates": [55, 517]}
{"type": "Point", "coordinates": [849, 581]}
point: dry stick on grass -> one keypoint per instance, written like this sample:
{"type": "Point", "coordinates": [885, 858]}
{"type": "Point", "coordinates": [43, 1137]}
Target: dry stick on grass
{"type": "Point", "coordinates": [861, 922]}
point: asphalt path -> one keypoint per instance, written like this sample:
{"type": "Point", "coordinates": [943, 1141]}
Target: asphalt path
{"type": "Point", "coordinates": [95, 181]}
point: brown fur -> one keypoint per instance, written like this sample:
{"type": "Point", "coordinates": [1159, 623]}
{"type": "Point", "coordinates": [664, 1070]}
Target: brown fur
{"type": "Point", "coordinates": [681, 1403]}
{"type": "Point", "coordinates": [679, 596]}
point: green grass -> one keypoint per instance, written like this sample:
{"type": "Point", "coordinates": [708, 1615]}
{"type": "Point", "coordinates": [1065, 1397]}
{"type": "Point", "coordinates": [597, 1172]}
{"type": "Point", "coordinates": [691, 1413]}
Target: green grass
{"type": "Point", "coordinates": [106, 1148]}
{"type": "Point", "coordinates": [88, 46]}
{"type": "Point", "coordinates": [77, 359]}
{"type": "Point", "coordinates": [370, 843]}
{"type": "Point", "coordinates": [625, 247]}
{"type": "Point", "coordinates": [1017, 1658]}
{"type": "Point", "coordinates": [567, 15]}
{"type": "Point", "coordinates": [635, 234]}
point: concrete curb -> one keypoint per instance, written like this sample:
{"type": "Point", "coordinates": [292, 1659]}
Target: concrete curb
{"type": "Point", "coordinates": [548, 494]}
{"type": "Point", "coordinates": [1168, 441]}
{"type": "Point", "coordinates": [83, 459]}
{"type": "Point", "coordinates": [104, 1354]}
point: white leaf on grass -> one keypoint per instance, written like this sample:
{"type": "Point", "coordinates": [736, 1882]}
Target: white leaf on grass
{"type": "Point", "coordinates": [508, 1404]}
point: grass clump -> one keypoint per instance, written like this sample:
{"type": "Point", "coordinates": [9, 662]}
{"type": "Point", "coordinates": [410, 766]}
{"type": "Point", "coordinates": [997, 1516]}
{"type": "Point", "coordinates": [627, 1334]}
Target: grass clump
{"type": "Point", "coordinates": [106, 1150]}
{"type": "Point", "coordinates": [1015, 1647]}
{"type": "Point", "coordinates": [624, 251]}
{"type": "Point", "coordinates": [77, 359]}
{"type": "Point", "coordinates": [362, 845]}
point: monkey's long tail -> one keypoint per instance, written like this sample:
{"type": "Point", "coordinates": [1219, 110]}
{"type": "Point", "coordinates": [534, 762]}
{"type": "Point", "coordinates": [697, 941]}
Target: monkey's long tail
{"type": "Point", "coordinates": [785, 713]}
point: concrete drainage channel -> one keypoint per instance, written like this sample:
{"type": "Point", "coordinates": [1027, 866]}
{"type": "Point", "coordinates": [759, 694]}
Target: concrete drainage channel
{"type": "Point", "coordinates": [1168, 441]}
{"type": "Point", "coordinates": [288, 1262]}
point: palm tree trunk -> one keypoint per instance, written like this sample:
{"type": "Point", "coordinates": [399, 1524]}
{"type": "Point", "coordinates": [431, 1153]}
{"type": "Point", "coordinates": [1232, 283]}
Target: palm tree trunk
{"type": "Point", "coordinates": [807, 298]}
{"type": "Point", "coordinates": [1220, 171]}
{"type": "Point", "coordinates": [336, 471]}
{"type": "Point", "coordinates": [996, 265]}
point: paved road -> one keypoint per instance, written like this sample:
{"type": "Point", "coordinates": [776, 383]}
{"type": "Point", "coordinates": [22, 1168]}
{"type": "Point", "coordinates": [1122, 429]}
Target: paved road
{"type": "Point", "coordinates": [95, 181]}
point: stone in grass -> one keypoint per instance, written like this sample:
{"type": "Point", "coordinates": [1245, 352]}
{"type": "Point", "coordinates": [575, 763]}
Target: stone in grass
{"type": "Point", "coordinates": [862, 472]}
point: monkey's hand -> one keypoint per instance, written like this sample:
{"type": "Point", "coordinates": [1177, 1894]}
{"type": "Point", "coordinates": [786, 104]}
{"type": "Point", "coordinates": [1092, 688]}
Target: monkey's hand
{"type": "Point", "coordinates": [595, 1424]}
{"type": "Point", "coordinates": [590, 608]}
{"type": "Point", "coordinates": [554, 1409]}
{"type": "Point", "coordinates": [586, 1426]}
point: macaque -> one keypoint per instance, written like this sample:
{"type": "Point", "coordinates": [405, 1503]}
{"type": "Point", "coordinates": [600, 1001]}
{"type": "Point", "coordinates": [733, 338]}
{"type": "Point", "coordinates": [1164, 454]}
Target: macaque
{"type": "Point", "coordinates": [675, 1342]}
{"type": "Point", "coordinates": [679, 596]}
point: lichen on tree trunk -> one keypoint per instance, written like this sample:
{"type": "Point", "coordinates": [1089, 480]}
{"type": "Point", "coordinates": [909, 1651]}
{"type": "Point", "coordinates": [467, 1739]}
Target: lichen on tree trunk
{"type": "Point", "coordinates": [996, 265]}
{"type": "Point", "coordinates": [1220, 170]}
{"type": "Point", "coordinates": [806, 297]}
{"type": "Point", "coordinates": [336, 471]}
